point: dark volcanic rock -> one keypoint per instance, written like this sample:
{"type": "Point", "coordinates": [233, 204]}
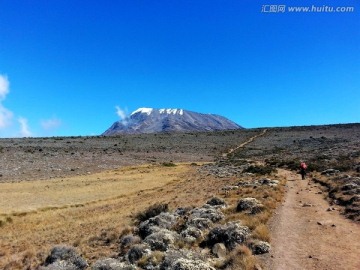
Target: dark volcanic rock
{"type": "Point", "coordinates": [148, 120]}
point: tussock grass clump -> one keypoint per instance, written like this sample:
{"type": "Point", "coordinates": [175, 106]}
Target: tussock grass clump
{"type": "Point", "coordinates": [261, 232]}
{"type": "Point", "coordinates": [240, 258]}
{"type": "Point", "coordinates": [151, 211]}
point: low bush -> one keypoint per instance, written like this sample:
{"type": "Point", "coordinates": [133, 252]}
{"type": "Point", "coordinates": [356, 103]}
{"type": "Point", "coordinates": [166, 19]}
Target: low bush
{"type": "Point", "coordinates": [152, 211]}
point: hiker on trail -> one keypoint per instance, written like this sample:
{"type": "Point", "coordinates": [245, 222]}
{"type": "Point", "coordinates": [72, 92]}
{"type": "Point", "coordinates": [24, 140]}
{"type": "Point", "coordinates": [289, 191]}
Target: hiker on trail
{"type": "Point", "coordinates": [303, 168]}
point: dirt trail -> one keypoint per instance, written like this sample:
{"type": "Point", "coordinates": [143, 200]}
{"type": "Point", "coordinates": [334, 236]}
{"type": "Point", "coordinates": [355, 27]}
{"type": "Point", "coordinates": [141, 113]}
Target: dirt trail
{"type": "Point", "coordinates": [307, 236]}
{"type": "Point", "coordinates": [247, 142]}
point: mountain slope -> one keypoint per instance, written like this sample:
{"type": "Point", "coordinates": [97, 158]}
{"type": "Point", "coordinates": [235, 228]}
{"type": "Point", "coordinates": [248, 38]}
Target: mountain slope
{"type": "Point", "coordinates": [149, 120]}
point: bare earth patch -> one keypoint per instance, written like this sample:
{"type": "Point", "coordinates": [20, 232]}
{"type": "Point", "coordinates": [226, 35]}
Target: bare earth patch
{"type": "Point", "coordinates": [305, 235]}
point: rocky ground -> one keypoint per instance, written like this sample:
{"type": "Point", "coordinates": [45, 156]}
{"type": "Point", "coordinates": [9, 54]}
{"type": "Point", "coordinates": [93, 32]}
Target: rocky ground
{"type": "Point", "coordinates": [228, 231]}
{"type": "Point", "coordinates": [44, 158]}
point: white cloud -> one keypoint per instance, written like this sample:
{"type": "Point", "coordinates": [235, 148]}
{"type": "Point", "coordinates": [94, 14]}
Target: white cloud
{"type": "Point", "coordinates": [5, 117]}
{"type": "Point", "coordinates": [121, 113]}
{"type": "Point", "coordinates": [5, 114]}
{"type": "Point", "coordinates": [24, 127]}
{"type": "Point", "coordinates": [49, 124]}
{"type": "Point", "coordinates": [4, 86]}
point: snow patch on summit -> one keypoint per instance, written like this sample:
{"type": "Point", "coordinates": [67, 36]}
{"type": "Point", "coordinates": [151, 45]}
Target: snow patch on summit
{"type": "Point", "coordinates": [172, 111]}
{"type": "Point", "coordinates": [147, 111]}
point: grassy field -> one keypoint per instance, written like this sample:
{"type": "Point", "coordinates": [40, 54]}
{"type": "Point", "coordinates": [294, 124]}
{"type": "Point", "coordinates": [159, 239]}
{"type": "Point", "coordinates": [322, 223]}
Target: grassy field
{"type": "Point", "coordinates": [22, 197]}
{"type": "Point", "coordinates": [89, 208]}
{"type": "Point", "coordinates": [91, 212]}
{"type": "Point", "coordinates": [78, 211]}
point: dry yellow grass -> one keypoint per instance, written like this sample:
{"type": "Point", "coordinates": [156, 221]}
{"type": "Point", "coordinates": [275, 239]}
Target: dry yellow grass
{"type": "Point", "coordinates": [90, 212]}
{"type": "Point", "coordinates": [63, 192]}
{"type": "Point", "coordinates": [89, 220]}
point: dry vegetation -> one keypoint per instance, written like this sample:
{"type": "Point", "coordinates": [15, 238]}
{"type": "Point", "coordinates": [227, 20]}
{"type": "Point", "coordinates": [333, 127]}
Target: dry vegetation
{"type": "Point", "coordinates": [76, 191]}
{"type": "Point", "coordinates": [95, 225]}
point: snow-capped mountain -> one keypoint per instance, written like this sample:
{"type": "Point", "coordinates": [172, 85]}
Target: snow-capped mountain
{"type": "Point", "coordinates": [149, 120]}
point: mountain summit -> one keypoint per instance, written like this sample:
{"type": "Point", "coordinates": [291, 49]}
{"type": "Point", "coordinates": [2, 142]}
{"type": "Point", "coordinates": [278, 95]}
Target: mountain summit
{"type": "Point", "coordinates": [149, 120]}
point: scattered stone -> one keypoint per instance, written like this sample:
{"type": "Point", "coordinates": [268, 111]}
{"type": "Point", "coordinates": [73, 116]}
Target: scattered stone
{"type": "Point", "coordinates": [252, 205]}
{"type": "Point", "coordinates": [112, 264]}
{"type": "Point", "coordinates": [129, 240]}
{"type": "Point", "coordinates": [66, 257]}
{"type": "Point", "coordinates": [259, 247]}
{"type": "Point", "coordinates": [164, 220]}
{"type": "Point", "coordinates": [320, 223]}
{"type": "Point", "coordinates": [186, 264]}
{"type": "Point", "coordinates": [191, 234]}
{"type": "Point", "coordinates": [229, 234]}
{"type": "Point", "coordinates": [307, 205]}
{"type": "Point", "coordinates": [59, 265]}
{"type": "Point", "coordinates": [199, 223]}
{"type": "Point", "coordinates": [215, 201]}
{"type": "Point", "coordinates": [330, 172]}
{"type": "Point", "coordinates": [208, 212]}
{"type": "Point", "coordinates": [229, 188]}
{"type": "Point", "coordinates": [268, 182]}
{"type": "Point", "coordinates": [219, 250]}
{"type": "Point", "coordinates": [161, 240]}
{"type": "Point", "coordinates": [171, 257]}
{"type": "Point", "coordinates": [136, 252]}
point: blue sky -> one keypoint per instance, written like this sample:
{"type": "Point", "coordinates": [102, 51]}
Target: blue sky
{"type": "Point", "coordinates": [65, 66]}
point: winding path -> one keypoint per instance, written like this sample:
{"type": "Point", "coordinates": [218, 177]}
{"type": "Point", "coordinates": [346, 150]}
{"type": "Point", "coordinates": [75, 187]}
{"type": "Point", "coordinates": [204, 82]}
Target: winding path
{"type": "Point", "coordinates": [245, 143]}
{"type": "Point", "coordinates": [307, 236]}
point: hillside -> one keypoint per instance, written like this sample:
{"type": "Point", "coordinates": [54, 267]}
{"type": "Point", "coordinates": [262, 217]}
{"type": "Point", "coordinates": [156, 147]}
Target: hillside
{"type": "Point", "coordinates": [149, 120]}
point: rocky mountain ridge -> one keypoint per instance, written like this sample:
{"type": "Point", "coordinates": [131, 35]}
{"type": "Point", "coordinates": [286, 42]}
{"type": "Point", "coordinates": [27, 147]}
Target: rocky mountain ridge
{"type": "Point", "coordinates": [149, 120]}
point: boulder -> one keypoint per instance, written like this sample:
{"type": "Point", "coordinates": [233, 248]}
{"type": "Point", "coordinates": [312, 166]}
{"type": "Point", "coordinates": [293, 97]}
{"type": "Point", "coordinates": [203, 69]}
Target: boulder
{"type": "Point", "coordinates": [136, 252]}
{"type": "Point", "coordinates": [161, 240]}
{"type": "Point", "coordinates": [191, 234]}
{"type": "Point", "coordinates": [230, 234]}
{"type": "Point", "coordinates": [268, 182]}
{"type": "Point", "coordinates": [65, 257]}
{"type": "Point", "coordinates": [207, 211]}
{"type": "Point", "coordinates": [112, 264]}
{"type": "Point", "coordinates": [173, 260]}
{"type": "Point", "coordinates": [186, 264]}
{"type": "Point", "coordinates": [215, 201]}
{"type": "Point", "coordinates": [129, 240]}
{"type": "Point", "coordinates": [200, 223]}
{"type": "Point", "coordinates": [60, 265]}
{"type": "Point", "coordinates": [181, 211]}
{"type": "Point", "coordinates": [330, 172]}
{"type": "Point", "coordinates": [164, 220]}
{"type": "Point", "coordinates": [259, 247]}
{"type": "Point", "coordinates": [251, 205]}
{"type": "Point", "coordinates": [219, 250]}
